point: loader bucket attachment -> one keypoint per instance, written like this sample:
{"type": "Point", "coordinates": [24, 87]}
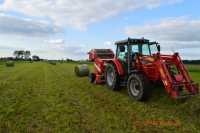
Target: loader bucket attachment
{"type": "Point", "coordinates": [175, 77]}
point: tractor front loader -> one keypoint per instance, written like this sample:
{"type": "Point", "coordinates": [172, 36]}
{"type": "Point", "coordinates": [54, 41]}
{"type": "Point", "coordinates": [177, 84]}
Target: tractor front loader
{"type": "Point", "coordinates": [175, 77]}
{"type": "Point", "coordinates": [136, 65]}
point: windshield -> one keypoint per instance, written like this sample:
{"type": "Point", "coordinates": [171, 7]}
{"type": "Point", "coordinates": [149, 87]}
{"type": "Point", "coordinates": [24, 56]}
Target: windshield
{"type": "Point", "coordinates": [145, 49]}
{"type": "Point", "coordinates": [142, 49]}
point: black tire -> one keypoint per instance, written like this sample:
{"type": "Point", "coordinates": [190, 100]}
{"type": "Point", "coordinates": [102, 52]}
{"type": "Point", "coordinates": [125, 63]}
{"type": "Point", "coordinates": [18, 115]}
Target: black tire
{"type": "Point", "coordinates": [92, 77]}
{"type": "Point", "coordinates": [138, 87]}
{"type": "Point", "coordinates": [112, 77]}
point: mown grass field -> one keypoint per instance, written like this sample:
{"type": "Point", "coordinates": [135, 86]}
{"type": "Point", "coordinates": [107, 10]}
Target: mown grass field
{"type": "Point", "coordinates": [40, 97]}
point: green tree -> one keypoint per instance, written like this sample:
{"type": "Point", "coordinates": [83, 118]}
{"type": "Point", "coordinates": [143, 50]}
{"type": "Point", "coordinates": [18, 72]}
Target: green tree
{"type": "Point", "coordinates": [27, 54]}
{"type": "Point", "coordinates": [16, 54]}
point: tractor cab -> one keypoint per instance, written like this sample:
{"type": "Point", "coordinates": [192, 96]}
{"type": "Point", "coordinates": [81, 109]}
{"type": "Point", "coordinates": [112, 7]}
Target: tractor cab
{"type": "Point", "coordinates": [130, 49]}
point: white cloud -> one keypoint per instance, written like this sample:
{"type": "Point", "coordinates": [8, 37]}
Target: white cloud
{"type": "Point", "coordinates": [69, 51]}
{"type": "Point", "coordinates": [108, 43]}
{"type": "Point", "coordinates": [72, 52]}
{"type": "Point", "coordinates": [30, 33]}
{"type": "Point", "coordinates": [18, 33]}
{"type": "Point", "coordinates": [52, 49]}
{"type": "Point", "coordinates": [79, 13]}
{"type": "Point", "coordinates": [173, 29]}
{"type": "Point", "coordinates": [56, 41]}
{"type": "Point", "coordinates": [174, 34]}
{"type": "Point", "coordinates": [26, 27]}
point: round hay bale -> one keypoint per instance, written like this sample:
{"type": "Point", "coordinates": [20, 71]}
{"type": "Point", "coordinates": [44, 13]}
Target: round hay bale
{"type": "Point", "coordinates": [10, 63]}
{"type": "Point", "coordinates": [82, 70]}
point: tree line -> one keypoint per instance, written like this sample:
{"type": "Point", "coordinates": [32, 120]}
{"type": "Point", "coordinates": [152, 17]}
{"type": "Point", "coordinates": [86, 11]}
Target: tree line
{"type": "Point", "coordinates": [191, 62]}
{"type": "Point", "coordinates": [25, 55]}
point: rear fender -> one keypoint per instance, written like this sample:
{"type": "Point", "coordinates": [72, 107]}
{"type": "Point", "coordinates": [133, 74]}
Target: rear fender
{"type": "Point", "coordinates": [116, 62]}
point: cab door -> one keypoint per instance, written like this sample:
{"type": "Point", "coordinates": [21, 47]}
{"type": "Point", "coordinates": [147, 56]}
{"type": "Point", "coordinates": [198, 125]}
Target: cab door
{"type": "Point", "coordinates": [122, 55]}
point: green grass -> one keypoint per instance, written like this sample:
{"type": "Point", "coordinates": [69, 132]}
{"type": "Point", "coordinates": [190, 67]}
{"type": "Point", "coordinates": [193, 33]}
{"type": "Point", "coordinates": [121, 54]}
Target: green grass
{"type": "Point", "coordinates": [40, 97]}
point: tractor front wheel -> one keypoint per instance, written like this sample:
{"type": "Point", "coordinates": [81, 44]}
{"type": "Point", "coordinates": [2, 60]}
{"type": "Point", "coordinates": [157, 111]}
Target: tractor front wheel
{"type": "Point", "coordinates": [112, 77]}
{"type": "Point", "coordinates": [138, 87]}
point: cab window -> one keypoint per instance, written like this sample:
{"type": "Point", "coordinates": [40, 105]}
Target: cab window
{"type": "Point", "coordinates": [145, 49]}
{"type": "Point", "coordinates": [135, 49]}
{"type": "Point", "coordinates": [122, 52]}
{"type": "Point", "coordinates": [154, 49]}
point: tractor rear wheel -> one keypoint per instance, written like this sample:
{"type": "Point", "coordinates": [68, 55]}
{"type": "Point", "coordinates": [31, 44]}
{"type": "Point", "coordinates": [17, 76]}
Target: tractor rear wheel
{"type": "Point", "coordinates": [112, 77]}
{"type": "Point", "coordinates": [138, 87]}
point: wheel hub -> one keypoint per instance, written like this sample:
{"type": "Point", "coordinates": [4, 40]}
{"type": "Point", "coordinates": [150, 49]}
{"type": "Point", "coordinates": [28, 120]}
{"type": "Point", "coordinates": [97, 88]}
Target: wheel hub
{"type": "Point", "coordinates": [110, 77]}
{"type": "Point", "coordinates": [135, 87]}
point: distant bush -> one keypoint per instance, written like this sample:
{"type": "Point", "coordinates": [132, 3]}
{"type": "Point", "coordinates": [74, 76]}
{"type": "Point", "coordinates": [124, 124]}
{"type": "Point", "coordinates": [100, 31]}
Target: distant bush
{"type": "Point", "coordinates": [10, 63]}
{"type": "Point", "coordinates": [52, 62]}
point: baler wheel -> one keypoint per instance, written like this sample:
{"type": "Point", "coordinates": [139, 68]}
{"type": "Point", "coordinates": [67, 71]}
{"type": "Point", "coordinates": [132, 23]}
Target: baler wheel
{"type": "Point", "coordinates": [112, 77]}
{"type": "Point", "coordinates": [92, 77]}
{"type": "Point", "coordinates": [138, 87]}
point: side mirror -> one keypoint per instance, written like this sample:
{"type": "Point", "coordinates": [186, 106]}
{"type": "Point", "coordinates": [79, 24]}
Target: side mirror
{"type": "Point", "coordinates": [122, 48]}
{"type": "Point", "coordinates": [158, 47]}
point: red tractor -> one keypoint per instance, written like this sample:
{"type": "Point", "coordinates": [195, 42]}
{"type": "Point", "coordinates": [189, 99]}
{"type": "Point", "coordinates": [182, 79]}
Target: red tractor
{"type": "Point", "coordinates": [136, 65]}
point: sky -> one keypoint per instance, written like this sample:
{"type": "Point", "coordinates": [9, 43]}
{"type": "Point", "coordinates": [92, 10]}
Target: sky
{"type": "Point", "coordinates": [59, 29]}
